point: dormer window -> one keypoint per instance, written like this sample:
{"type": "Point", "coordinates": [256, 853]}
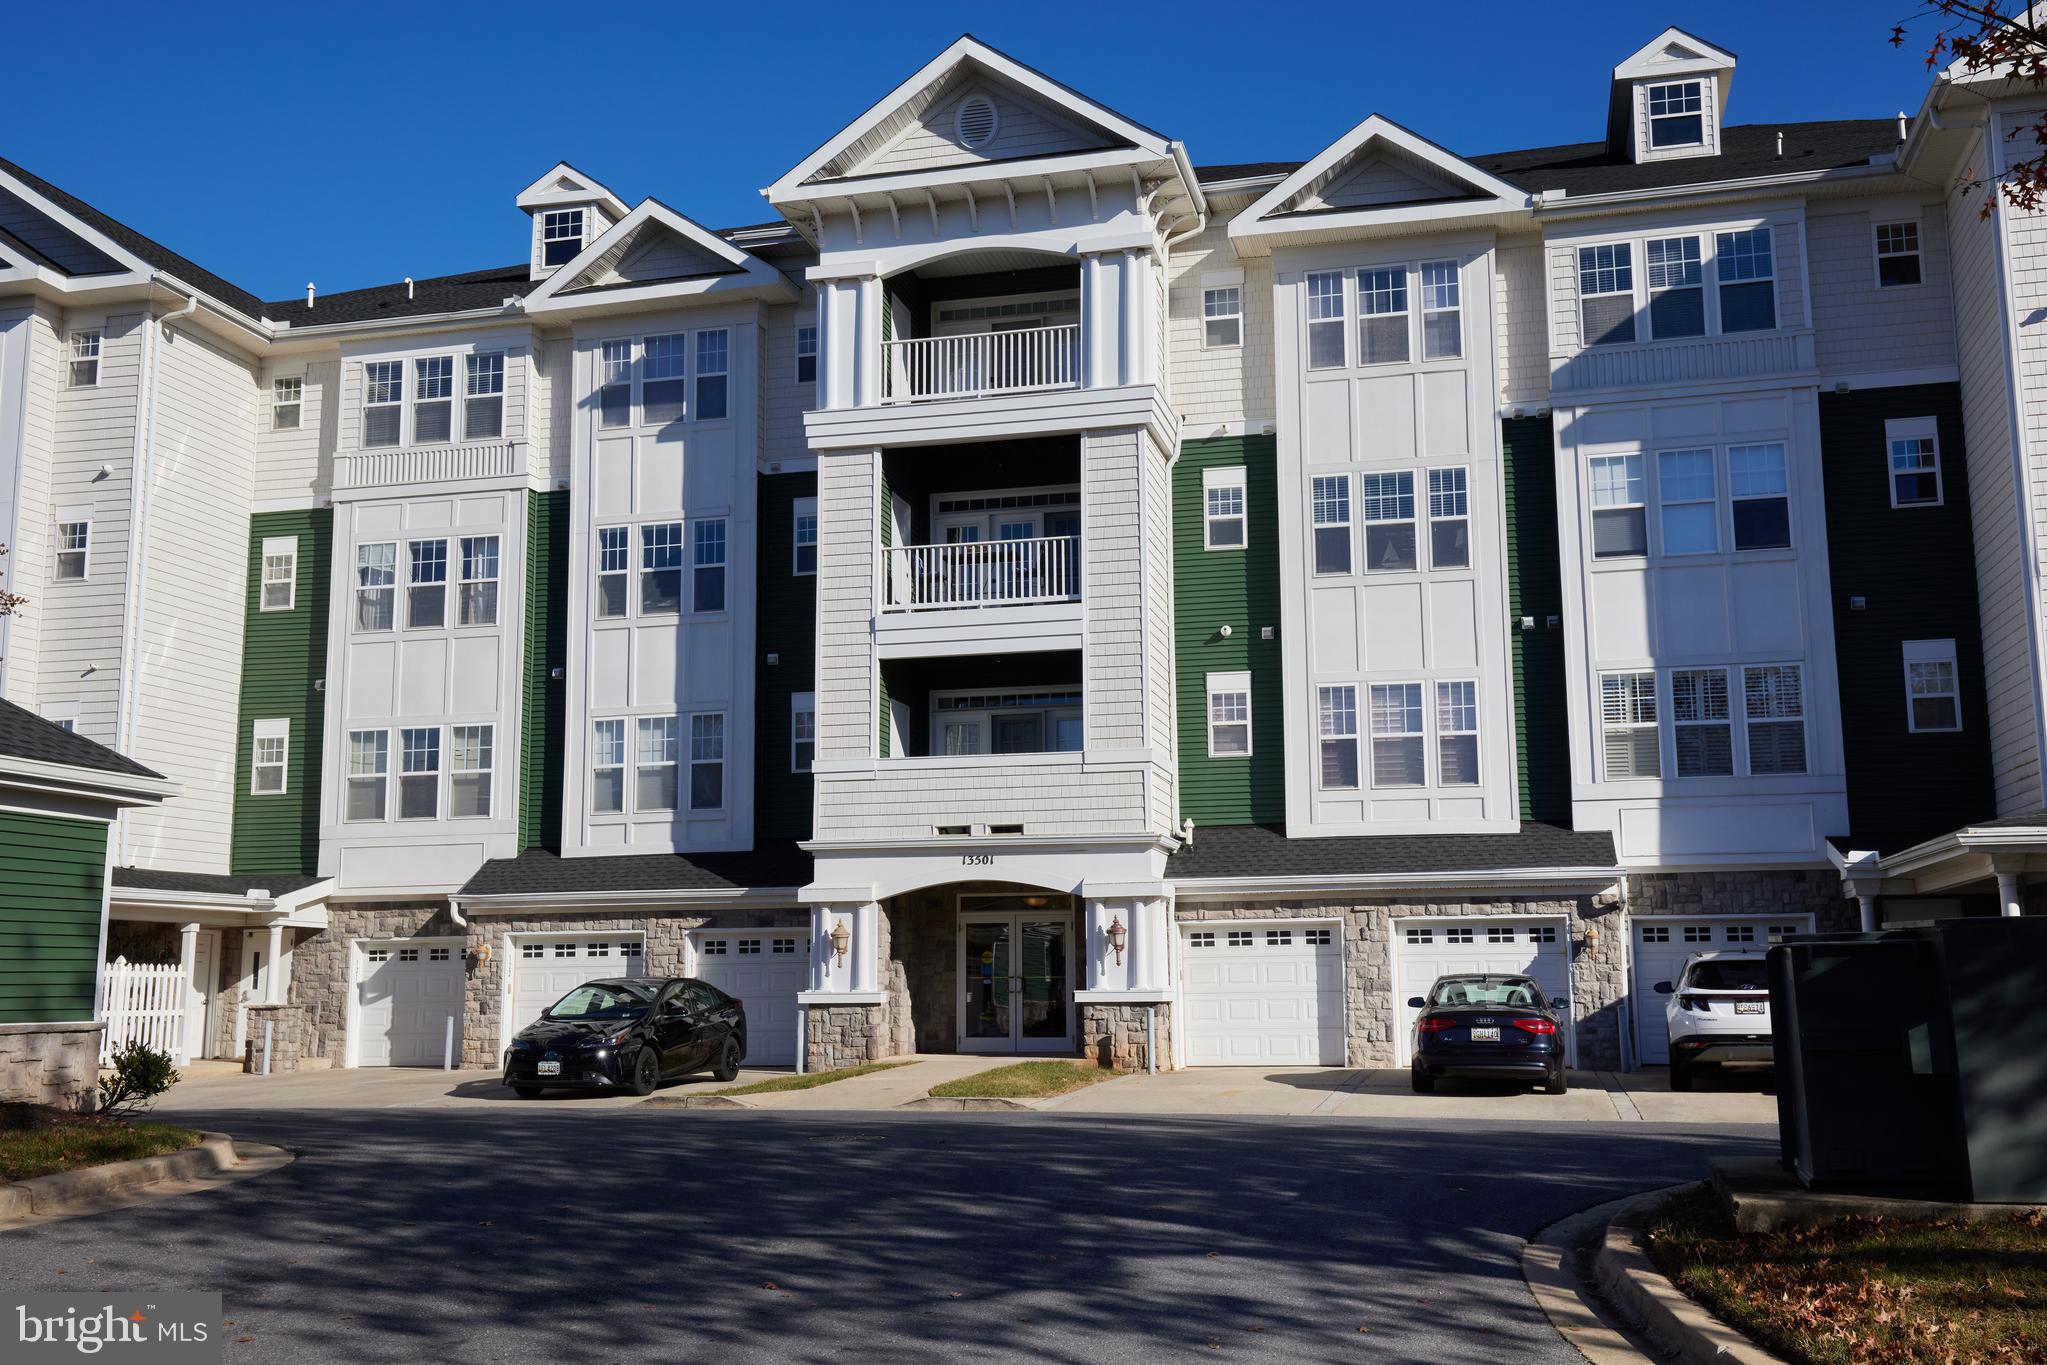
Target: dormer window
{"type": "Point", "coordinates": [1677, 115]}
{"type": "Point", "coordinates": [561, 236]}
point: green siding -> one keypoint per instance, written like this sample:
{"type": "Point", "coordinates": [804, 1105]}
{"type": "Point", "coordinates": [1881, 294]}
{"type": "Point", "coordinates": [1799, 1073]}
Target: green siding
{"type": "Point", "coordinates": [1915, 569]}
{"type": "Point", "coordinates": [284, 653]}
{"type": "Point", "coordinates": [52, 892]}
{"type": "Point", "coordinates": [1542, 737]}
{"type": "Point", "coordinates": [787, 628]}
{"type": "Point", "coordinates": [1238, 588]}
{"type": "Point", "coordinates": [545, 697]}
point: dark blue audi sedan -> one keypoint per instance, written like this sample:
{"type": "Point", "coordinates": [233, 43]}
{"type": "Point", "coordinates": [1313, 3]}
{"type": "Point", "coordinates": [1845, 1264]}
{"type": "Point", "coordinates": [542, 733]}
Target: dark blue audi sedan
{"type": "Point", "coordinates": [1488, 1028]}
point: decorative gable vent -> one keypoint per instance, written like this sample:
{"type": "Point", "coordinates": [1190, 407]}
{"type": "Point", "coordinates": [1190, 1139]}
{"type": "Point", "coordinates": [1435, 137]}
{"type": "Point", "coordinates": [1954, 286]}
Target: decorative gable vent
{"type": "Point", "coordinates": [975, 121]}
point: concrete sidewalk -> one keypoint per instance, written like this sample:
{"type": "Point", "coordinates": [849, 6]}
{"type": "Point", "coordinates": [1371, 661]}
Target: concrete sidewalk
{"type": "Point", "coordinates": [883, 1089]}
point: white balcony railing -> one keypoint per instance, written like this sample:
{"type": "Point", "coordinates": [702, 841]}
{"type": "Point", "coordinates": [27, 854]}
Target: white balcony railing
{"type": "Point", "coordinates": [977, 364]}
{"type": "Point", "coordinates": [984, 573]}
{"type": "Point", "coordinates": [429, 464]}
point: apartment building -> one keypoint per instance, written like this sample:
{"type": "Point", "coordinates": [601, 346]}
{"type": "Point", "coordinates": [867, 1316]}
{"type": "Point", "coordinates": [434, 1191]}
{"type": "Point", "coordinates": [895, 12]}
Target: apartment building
{"type": "Point", "coordinates": [1040, 594]}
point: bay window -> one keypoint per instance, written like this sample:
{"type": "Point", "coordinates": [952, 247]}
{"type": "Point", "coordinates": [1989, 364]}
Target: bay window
{"type": "Point", "coordinates": [1606, 293]}
{"type": "Point", "coordinates": [383, 413]}
{"type": "Point", "coordinates": [1677, 287]}
{"type": "Point", "coordinates": [1742, 262]}
{"type": "Point", "coordinates": [1688, 501]}
{"type": "Point", "coordinates": [433, 400]}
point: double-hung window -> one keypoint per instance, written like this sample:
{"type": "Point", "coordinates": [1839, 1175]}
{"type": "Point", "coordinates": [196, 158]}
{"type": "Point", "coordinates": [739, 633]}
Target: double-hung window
{"type": "Point", "coordinates": [1703, 733]}
{"type": "Point", "coordinates": [1337, 732]}
{"type": "Point", "coordinates": [1677, 114]}
{"type": "Point", "coordinates": [287, 400]}
{"type": "Point", "coordinates": [804, 536]}
{"type": "Point", "coordinates": [1914, 445]}
{"type": "Point", "coordinates": [280, 573]}
{"type": "Point", "coordinates": [1332, 523]}
{"type": "Point", "coordinates": [376, 586]}
{"type": "Point", "coordinates": [1773, 708]}
{"type": "Point", "coordinates": [1223, 521]}
{"type": "Point", "coordinates": [664, 384]}
{"type": "Point", "coordinates": [714, 359]}
{"type": "Point", "coordinates": [1897, 255]}
{"type": "Point", "coordinates": [1606, 293]}
{"type": "Point", "coordinates": [1449, 519]}
{"type": "Point", "coordinates": [1627, 704]}
{"type": "Point", "coordinates": [806, 354]}
{"type": "Point", "coordinates": [74, 545]}
{"type": "Point", "coordinates": [1325, 320]}
{"type": "Point", "coordinates": [615, 383]}
{"type": "Point", "coordinates": [1222, 316]}
{"type": "Point", "coordinates": [1388, 500]}
{"type": "Point", "coordinates": [1620, 517]}
{"type": "Point", "coordinates": [607, 767]}
{"type": "Point", "coordinates": [661, 568]}
{"type": "Point", "coordinates": [483, 401]}
{"type": "Point", "coordinates": [433, 400]}
{"type": "Point", "coordinates": [479, 601]}
{"type": "Point", "coordinates": [707, 761]}
{"type": "Point", "coordinates": [802, 731]}
{"type": "Point", "coordinates": [561, 236]}
{"type": "Point", "coordinates": [1382, 316]}
{"type": "Point", "coordinates": [85, 359]}
{"type": "Point", "coordinates": [1229, 715]}
{"type": "Point", "coordinates": [383, 402]}
{"type": "Point", "coordinates": [1442, 317]}
{"type": "Point", "coordinates": [1397, 758]}
{"type": "Point", "coordinates": [1742, 263]}
{"type": "Point", "coordinates": [369, 768]}
{"type": "Point", "coordinates": [271, 744]}
{"type": "Point", "coordinates": [655, 764]}
{"type": "Point", "coordinates": [1760, 488]}
{"type": "Point", "coordinates": [614, 567]}
{"type": "Point", "coordinates": [1688, 502]}
{"type": "Point", "coordinates": [426, 586]}
{"type": "Point", "coordinates": [1457, 734]}
{"type": "Point", "coordinates": [707, 564]}
{"type": "Point", "coordinates": [419, 773]}
{"type": "Point", "coordinates": [1933, 697]}
{"type": "Point", "coordinates": [469, 770]}
{"type": "Point", "coordinates": [1677, 287]}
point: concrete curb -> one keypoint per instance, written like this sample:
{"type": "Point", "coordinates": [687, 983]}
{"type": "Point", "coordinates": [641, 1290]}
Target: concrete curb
{"type": "Point", "coordinates": [970, 1104]}
{"type": "Point", "coordinates": [712, 1101]}
{"type": "Point", "coordinates": [1552, 1266]}
{"type": "Point", "coordinates": [75, 1191]}
{"type": "Point", "coordinates": [1672, 1321]}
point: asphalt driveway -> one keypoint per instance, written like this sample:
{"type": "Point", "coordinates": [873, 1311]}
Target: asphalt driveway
{"type": "Point", "coordinates": [553, 1233]}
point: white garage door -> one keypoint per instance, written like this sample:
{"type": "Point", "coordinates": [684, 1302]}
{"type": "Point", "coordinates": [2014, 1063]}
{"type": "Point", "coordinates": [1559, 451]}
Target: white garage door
{"type": "Point", "coordinates": [765, 968]}
{"type": "Point", "coordinates": [406, 996]}
{"type": "Point", "coordinates": [1426, 949]}
{"type": "Point", "coordinates": [1263, 995]}
{"type": "Point", "coordinates": [1661, 947]}
{"type": "Point", "coordinates": [546, 969]}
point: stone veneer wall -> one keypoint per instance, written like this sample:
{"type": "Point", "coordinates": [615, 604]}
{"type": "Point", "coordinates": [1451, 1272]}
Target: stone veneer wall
{"type": "Point", "coordinates": [923, 970]}
{"type": "Point", "coordinates": [288, 1038]}
{"type": "Point", "coordinates": [846, 1035]}
{"type": "Point", "coordinates": [1115, 1035]}
{"type": "Point", "coordinates": [56, 1064]}
{"type": "Point", "coordinates": [1742, 892]}
{"type": "Point", "coordinates": [1597, 969]}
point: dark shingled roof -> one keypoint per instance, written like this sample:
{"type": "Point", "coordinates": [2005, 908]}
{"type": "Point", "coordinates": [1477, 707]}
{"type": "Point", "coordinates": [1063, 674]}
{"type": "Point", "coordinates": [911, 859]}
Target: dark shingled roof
{"type": "Point", "coordinates": [441, 294]}
{"type": "Point", "coordinates": [157, 254]}
{"type": "Point", "coordinates": [24, 734]}
{"type": "Point", "coordinates": [1265, 851]}
{"type": "Point", "coordinates": [207, 883]}
{"type": "Point", "coordinates": [537, 872]}
{"type": "Point", "coordinates": [1747, 151]}
{"type": "Point", "coordinates": [1245, 170]}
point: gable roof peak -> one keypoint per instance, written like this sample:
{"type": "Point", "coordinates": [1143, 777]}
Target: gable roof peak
{"type": "Point", "coordinates": [564, 184]}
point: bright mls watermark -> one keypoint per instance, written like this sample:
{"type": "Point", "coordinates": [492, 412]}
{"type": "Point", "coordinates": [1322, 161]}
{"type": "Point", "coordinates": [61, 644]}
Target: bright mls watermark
{"type": "Point", "coordinates": [162, 1328]}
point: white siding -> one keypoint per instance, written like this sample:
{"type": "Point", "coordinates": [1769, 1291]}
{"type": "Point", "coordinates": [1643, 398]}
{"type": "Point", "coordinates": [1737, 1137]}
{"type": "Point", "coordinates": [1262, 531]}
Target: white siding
{"type": "Point", "coordinates": [549, 456]}
{"type": "Point", "coordinates": [783, 400]}
{"type": "Point", "coordinates": [1021, 130]}
{"type": "Point", "coordinates": [1111, 476]}
{"type": "Point", "coordinates": [848, 519]}
{"type": "Point", "coordinates": [1518, 322]}
{"type": "Point", "coordinates": [1229, 388]}
{"type": "Point", "coordinates": [297, 466]}
{"type": "Point", "coordinates": [1862, 329]}
{"type": "Point", "coordinates": [27, 561]}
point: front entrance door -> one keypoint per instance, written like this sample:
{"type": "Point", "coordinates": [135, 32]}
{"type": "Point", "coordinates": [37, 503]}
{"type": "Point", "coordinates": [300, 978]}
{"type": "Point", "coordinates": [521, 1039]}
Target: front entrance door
{"type": "Point", "coordinates": [1016, 974]}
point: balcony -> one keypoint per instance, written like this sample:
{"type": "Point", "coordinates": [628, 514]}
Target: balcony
{"type": "Point", "coordinates": [994, 573]}
{"type": "Point", "coordinates": [982, 364]}
{"type": "Point", "coordinates": [470, 462]}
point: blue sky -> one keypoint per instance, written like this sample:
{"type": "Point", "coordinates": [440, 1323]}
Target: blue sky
{"type": "Point", "coordinates": [277, 145]}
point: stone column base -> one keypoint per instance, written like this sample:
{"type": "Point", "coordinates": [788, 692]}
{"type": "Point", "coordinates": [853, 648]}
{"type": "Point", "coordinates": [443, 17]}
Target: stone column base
{"type": "Point", "coordinates": [844, 1035]}
{"type": "Point", "coordinates": [290, 1031]}
{"type": "Point", "coordinates": [1114, 1035]}
{"type": "Point", "coordinates": [56, 1064]}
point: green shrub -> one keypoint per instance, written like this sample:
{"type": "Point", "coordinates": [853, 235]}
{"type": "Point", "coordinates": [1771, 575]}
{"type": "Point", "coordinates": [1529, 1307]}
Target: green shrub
{"type": "Point", "coordinates": [140, 1075]}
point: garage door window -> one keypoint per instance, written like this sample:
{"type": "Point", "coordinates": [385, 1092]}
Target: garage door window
{"type": "Point", "coordinates": [378, 954]}
{"type": "Point", "coordinates": [1203, 940]}
{"type": "Point", "coordinates": [597, 950]}
{"type": "Point", "coordinates": [437, 954]}
{"type": "Point", "coordinates": [629, 949]}
{"type": "Point", "coordinates": [785, 946]}
{"type": "Point", "coordinates": [1421, 936]}
{"type": "Point", "coordinates": [1741, 933]}
{"type": "Point", "coordinates": [1462, 933]}
{"type": "Point", "coordinates": [564, 950]}
{"type": "Point", "coordinates": [715, 947]}
{"type": "Point", "coordinates": [1279, 937]}
{"type": "Point", "coordinates": [1316, 938]}
{"type": "Point", "coordinates": [1698, 933]}
{"type": "Point", "coordinates": [1655, 933]}
{"type": "Point", "coordinates": [1542, 933]}
{"type": "Point", "coordinates": [1499, 933]}
{"type": "Point", "coordinates": [1240, 938]}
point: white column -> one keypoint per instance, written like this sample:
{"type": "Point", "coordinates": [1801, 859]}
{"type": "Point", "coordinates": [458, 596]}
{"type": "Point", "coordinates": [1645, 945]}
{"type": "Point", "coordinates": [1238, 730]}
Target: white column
{"type": "Point", "coordinates": [821, 956]}
{"type": "Point", "coordinates": [830, 390]}
{"type": "Point", "coordinates": [865, 932]}
{"type": "Point", "coordinates": [2008, 895]}
{"type": "Point", "coordinates": [273, 993]}
{"type": "Point", "coordinates": [1130, 322]}
{"type": "Point", "coordinates": [1136, 952]}
{"type": "Point", "coordinates": [188, 952]}
{"type": "Point", "coordinates": [1094, 308]}
{"type": "Point", "coordinates": [867, 358]}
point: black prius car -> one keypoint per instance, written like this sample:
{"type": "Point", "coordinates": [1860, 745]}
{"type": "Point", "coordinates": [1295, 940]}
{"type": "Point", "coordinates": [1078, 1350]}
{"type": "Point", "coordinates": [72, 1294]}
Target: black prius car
{"type": "Point", "coordinates": [628, 1034]}
{"type": "Point", "coordinates": [1488, 1028]}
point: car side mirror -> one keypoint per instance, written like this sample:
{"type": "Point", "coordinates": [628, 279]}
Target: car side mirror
{"type": "Point", "coordinates": [1415, 1002]}
{"type": "Point", "coordinates": [1664, 988]}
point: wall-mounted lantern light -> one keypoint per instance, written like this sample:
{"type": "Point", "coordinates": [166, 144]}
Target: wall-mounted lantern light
{"type": "Point", "coordinates": [842, 937]}
{"type": "Point", "coordinates": [1118, 936]}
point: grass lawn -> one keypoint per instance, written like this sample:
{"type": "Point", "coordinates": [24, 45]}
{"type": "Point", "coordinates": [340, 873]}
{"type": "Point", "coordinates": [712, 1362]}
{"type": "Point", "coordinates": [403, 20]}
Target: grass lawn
{"type": "Point", "coordinates": [809, 1080]}
{"type": "Point", "coordinates": [36, 1139]}
{"type": "Point", "coordinates": [1024, 1081]}
{"type": "Point", "coordinates": [1865, 1290]}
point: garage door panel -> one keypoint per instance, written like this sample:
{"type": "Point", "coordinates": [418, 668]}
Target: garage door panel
{"type": "Point", "coordinates": [545, 970]}
{"type": "Point", "coordinates": [767, 969]}
{"type": "Point", "coordinates": [1269, 995]}
{"type": "Point", "coordinates": [1660, 948]}
{"type": "Point", "coordinates": [405, 999]}
{"type": "Point", "coordinates": [1425, 951]}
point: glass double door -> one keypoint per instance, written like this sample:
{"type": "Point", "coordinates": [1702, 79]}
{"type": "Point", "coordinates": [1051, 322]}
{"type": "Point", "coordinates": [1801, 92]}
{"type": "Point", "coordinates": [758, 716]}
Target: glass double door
{"type": "Point", "coordinates": [1016, 975]}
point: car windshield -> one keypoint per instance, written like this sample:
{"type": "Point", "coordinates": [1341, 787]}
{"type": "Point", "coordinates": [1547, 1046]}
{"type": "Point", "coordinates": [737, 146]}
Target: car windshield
{"type": "Point", "coordinates": [1737, 974]}
{"type": "Point", "coordinates": [600, 1000]}
{"type": "Point", "coordinates": [1508, 992]}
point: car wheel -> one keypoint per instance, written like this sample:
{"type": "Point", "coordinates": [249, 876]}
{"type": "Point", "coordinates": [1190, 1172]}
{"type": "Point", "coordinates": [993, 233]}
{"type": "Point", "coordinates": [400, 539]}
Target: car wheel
{"type": "Point", "coordinates": [1556, 1084]}
{"type": "Point", "coordinates": [526, 1092]}
{"type": "Point", "coordinates": [1680, 1074]}
{"type": "Point", "coordinates": [646, 1072]}
{"type": "Point", "coordinates": [728, 1061]}
{"type": "Point", "coordinates": [1424, 1084]}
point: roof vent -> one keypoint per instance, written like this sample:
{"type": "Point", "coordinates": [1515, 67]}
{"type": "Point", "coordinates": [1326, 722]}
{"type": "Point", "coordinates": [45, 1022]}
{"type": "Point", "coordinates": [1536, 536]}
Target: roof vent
{"type": "Point", "coordinates": [975, 121]}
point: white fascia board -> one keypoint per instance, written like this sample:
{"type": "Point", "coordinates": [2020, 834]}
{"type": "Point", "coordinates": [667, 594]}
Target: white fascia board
{"type": "Point", "coordinates": [966, 48]}
{"type": "Point", "coordinates": [751, 267]}
{"type": "Point", "coordinates": [1534, 879]}
{"type": "Point", "coordinates": [127, 898]}
{"type": "Point", "coordinates": [1642, 64]}
{"type": "Point", "coordinates": [1258, 238]}
{"type": "Point", "coordinates": [2011, 839]}
{"type": "Point", "coordinates": [562, 902]}
{"type": "Point", "coordinates": [669, 293]}
{"type": "Point", "coordinates": [123, 789]}
{"type": "Point", "coordinates": [1554, 209]}
{"type": "Point", "coordinates": [1033, 170]}
{"type": "Point", "coordinates": [542, 192]}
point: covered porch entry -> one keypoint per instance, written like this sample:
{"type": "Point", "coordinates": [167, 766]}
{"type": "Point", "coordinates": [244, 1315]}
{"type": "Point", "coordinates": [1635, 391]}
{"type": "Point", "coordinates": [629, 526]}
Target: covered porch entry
{"type": "Point", "coordinates": [988, 969]}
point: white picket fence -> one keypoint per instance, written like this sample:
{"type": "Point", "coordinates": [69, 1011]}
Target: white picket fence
{"type": "Point", "coordinates": [146, 1004]}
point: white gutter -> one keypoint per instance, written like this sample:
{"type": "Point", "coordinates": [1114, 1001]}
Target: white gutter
{"type": "Point", "coordinates": [1571, 203]}
{"type": "Point", "coordinates": [1539, 878]}
{"type": "Point", "coordinates": [459, 905]}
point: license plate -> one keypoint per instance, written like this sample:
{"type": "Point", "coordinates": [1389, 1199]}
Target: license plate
{"type": "Point", "coordinates": [1485, 1035]}
{"type": "Point", "coordinates": [1748, 1007]}
{"type": "Point", "coordinates": [549, 1069]}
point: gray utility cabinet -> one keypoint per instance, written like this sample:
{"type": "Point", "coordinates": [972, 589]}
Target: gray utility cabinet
{"type": "Point", "coordinates": [1911, 1060]}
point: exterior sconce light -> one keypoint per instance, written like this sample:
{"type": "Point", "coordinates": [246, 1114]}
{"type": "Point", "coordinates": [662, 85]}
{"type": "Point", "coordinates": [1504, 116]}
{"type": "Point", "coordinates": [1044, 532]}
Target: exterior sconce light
{"type": "Point", "coordinates": [480, 954]}
{"type": "Point", "coordinates": [1118, 936]}
{"type": "Point", "coordinates": [841, 938]}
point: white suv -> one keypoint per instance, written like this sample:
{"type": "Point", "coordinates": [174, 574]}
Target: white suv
{"type": "Point", "coordinates": [1719, 1014]}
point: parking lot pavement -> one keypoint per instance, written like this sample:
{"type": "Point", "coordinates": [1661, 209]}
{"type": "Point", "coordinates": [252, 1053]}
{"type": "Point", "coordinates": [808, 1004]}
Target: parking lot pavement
{"type": "Point", "coordinates": [397, 1087]}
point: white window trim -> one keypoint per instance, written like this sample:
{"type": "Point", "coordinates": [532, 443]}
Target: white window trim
{"type": "Point", "coordinates": [1229, 684]}
{"type": "Point", "coordinates": [439, 774]}
{"type": "Point", "coordinates": [1210, 291]}
{"type": "Point", "coordinates": [802, 703]}
{"type": "Point", "coordinates": [581, 239]}
{"type": "Point", "coordinates": [459, 572]}
{"type": "Point", "coordinates": [1432, 725]}
{"type": "Point", "coordinates": [1736, 748]}
{"type": "Point", "coordinates": [1238, 478]}
{"type": "Point", "coordinates": [723, 564]}
{"type": "Point", "coordinates": [1349, 526]}
{"type": "Point", "coordinates": [1425, 511]}
{"type": "Point", "coordinates": [1654, 724]}
{"type": "Point", "coordinates": [87, 347]}
{"type": "Point", "coordinates": [1708, 234]}
{"type": "Point", "coordinates": [71, 516]}
{"type": "Point", "coordinates": [798, 510]}
{"type": "Point", "coordinates": [284, 547]}
{"type": "Point", "coordinates": [488, 770]}
{"type": "Point", "coordinates": [1353, 736]}
{"type": "Point", "coordinates": [349, 778]}
{"type": "Point", "coordinates": [1877, 254]}
{"type": "Point", "coordinates": [1932, 652]}
{"type": "Point", "coordinates": [1912, 429]}
{"type": "Point", "coordinates": [1704, 114]}
{"type": "Point", "coordinates": [297, 401]}
{"type": "Point", "coordinates": [1369, 774]}
{"type": "Point", "coordinates": [634, 764]}
{"type": "Point", "coordinates": [814, 354]}
{"type": "Point", "coordinates": [1748, 722]}
{"type": "Point", "coordinates": [626, 764]}
{"type": "Point", "coordinates": [685, 737]}
{"type": "Point", "coordinates": [470, 395]}
{"type": "Point", "coordinates": [279, 729]}
{"type": "Point", "coordinates": [1415, 519]}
